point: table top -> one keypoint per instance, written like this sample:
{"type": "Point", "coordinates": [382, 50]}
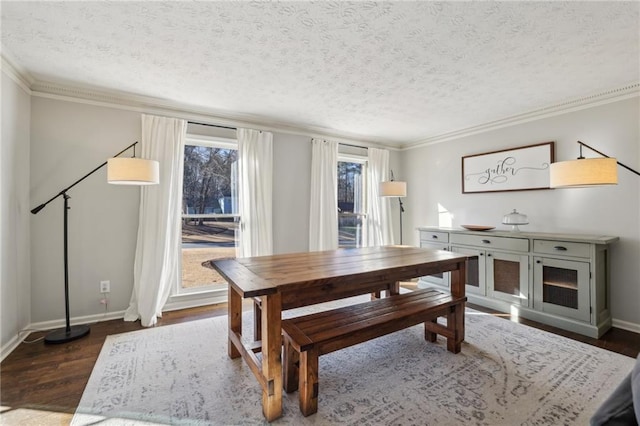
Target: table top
{"type": "Point", "coordinates": [257, 276]}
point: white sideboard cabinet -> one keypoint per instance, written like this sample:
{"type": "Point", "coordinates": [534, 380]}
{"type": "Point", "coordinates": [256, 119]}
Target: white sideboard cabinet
{"type": "Point", "coordinates": [556, 279]}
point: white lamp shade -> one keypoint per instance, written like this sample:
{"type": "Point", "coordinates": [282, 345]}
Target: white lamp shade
{"type": "Point", "coordinates": [393, 188]}
{"type": "Point", "coordinates": [583, 172]}
{"type": "Point", "coordinates": [132, 171]}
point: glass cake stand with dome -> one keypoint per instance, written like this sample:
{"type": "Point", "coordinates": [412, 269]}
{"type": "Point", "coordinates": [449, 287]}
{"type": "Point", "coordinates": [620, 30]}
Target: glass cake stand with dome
{"type": "Point", "coordinates": [514, 219]}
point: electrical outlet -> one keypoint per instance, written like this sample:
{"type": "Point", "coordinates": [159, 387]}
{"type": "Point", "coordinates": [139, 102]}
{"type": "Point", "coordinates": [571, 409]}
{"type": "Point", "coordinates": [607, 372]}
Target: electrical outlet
{"type": "Point", "coordinates": [105, 286]}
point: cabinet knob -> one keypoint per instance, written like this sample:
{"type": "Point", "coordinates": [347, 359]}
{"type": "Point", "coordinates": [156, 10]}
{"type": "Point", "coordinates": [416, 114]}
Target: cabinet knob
{"type": "Point", "coordinates": [538, 261]}
{"type": "Point", "coordinates": [435, 237]}
{"type": "Point", "coordinates": [481, 254]}
{"type": "Point", "coordinates": [486, 242]}
{"type": "Point", "coordinates": [488, 254]}
{"type": "Point", "coordinates": [560, 248]}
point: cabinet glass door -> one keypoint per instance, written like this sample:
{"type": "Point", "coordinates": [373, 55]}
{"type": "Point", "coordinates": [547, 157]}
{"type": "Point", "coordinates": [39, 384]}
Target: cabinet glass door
{"type": "Point", "coordinates": [508, 277]}
{"type": "Point", "coordinates": [562, 287]}
{"type": "Point", "coordinates": [476, 270]}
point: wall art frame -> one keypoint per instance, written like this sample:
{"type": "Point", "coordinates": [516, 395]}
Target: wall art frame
{"type": "Point", "coordinates": [514, 169]}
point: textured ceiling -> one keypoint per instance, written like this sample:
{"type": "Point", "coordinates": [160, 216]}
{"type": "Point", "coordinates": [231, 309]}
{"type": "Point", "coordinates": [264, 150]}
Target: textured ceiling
{"type": "Point", "coordinates": [398, 72]}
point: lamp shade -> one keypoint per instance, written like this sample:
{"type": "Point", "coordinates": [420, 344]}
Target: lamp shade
{"type": "Point", "coordinates": [583, 172]}
{"type": "Point", "coordinates": [132, 171]}
{"type": "Point", "coordinates": [393, 188]}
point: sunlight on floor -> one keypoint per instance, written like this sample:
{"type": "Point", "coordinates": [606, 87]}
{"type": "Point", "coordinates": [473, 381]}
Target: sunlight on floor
{"type": "Point", "coordinates": [515, 314]}
{"type": "Point", "coordinates": [496, 314]}
{"type": "Point", "coordinates": [28, 416]}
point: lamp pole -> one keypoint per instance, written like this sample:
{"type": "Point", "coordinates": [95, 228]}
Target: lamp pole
{"type": "Point", "coordinates": [401, 211]}
{"type": "Point", "coordinates": [68, 333]}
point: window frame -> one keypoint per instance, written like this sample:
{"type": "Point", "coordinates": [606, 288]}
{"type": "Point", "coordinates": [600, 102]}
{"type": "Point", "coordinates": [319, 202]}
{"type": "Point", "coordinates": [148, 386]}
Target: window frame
{"type": "Point", "coordinates": [207, 142]}
{"type": "Point", "coordinates": [364, 161]}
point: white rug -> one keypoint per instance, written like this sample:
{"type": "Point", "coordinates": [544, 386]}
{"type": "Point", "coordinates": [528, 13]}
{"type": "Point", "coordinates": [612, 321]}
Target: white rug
{"type": "Point", "coordinates": [506, 374]}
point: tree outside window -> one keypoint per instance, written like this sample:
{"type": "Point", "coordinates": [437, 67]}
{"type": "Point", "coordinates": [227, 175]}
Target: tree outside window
{"type": "Point", "coordinates": [351, 211]}
{"type": "Point", "coordinates": [209, 212]}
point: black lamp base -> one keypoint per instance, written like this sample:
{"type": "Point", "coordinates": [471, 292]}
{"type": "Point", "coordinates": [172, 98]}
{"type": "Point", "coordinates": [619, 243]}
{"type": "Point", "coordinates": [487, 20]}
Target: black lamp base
{"type": "Point", "coordinates": [62, 335]}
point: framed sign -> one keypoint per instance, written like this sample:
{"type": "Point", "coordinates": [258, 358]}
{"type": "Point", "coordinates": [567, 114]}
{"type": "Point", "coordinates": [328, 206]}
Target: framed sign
{"type": "Point", "coordinates": [515, 169]}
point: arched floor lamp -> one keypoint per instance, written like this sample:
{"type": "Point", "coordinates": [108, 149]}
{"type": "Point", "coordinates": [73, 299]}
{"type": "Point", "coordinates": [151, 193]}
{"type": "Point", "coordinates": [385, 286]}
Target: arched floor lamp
{"type": "Point", "coordinates": [586, 171]}
{"type": "Point", "coordinates": [120, 171]}
{"type": "Point", "coordinates": [395, 188]}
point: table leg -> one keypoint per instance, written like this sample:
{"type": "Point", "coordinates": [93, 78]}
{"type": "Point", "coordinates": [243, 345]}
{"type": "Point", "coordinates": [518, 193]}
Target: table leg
{"type": "Point", "coordinates": [458, 280]}
{"type": "Point", "coordinates": [272, 356]}
{"type": "Point", "coordinates": [235, 319]}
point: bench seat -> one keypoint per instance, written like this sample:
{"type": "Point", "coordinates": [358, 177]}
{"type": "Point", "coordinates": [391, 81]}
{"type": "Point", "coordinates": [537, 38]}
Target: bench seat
{"type": "Point", "coordinates": [309, 336]}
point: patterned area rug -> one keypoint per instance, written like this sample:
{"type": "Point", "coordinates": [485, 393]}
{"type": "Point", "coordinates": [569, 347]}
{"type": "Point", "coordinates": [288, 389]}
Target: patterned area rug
{"type": "Point", "coordinates": [506, 374]}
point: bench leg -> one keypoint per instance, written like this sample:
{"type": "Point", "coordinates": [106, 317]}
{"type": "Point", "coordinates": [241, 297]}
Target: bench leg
{"type": "Point", "coordinates": [290, 362]}
{"type": "Point", "coordinates": [309, 382]}
{"type": "Point", "coordinates": [455, 323]}
{"type": "Point", "coordinates": [430, 336]}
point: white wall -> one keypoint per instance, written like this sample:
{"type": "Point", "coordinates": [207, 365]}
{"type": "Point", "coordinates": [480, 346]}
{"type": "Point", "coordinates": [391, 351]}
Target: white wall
{"type": "Point", "coordinates": [68, 139]}
{"type": "Point", "coordinates": [14, 211]}
{"type": "Point", "coordinates": [434, 176]}
{"type": "Point", "coordinates": [291, 193]}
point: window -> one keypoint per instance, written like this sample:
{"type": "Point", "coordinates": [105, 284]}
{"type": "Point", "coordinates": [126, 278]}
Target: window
{"type": "Point", "coordinates": [209, 210]}
{"type": "Point", "coordinates": [351, 200]}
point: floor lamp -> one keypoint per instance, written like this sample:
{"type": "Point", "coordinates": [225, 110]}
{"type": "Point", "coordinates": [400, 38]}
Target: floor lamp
{"type": "Point", "coordinates": [394, 188]}
{"type": "Point", "coordinates": [586, 171]}
{"type": "Point", "coordinates": [120, 171]}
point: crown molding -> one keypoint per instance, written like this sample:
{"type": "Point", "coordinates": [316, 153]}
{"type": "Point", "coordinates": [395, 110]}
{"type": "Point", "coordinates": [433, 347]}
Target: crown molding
{"type": "Point", "coordinates": [132, 102]}
{"type": "Point", "coordinates": [146, 104]}
{"type": "Point", "coordinates": [15, 72]}
{"type": "Point", "coordinates": [600, 98]}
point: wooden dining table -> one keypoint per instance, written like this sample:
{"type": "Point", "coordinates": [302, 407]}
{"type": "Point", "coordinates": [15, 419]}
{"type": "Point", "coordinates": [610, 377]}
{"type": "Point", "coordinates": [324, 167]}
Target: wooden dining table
{"type": "Point", "coordinates": [288, 281]}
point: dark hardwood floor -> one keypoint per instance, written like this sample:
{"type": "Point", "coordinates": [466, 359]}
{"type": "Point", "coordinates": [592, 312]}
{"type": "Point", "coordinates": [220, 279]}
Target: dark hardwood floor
{"type": "Point", "coordinates": [42, 384]}
{"type": "Point", "coordinates": [616, 340]}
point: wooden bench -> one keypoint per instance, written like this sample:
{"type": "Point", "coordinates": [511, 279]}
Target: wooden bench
{"type": "Point", "coordinates": [390, 288]}
{"type": "Point", "coordinates": [307, 337]}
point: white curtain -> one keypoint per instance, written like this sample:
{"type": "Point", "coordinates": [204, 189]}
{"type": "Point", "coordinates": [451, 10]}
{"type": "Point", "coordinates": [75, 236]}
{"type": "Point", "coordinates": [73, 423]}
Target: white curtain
{"type": "Point", "coordinates": [323, 218]}
{"type": "Point", "coordinates": [255, 176]}
{"type": "Point", "coordinates": [157, 258]}
{"type": "Point", "coordinates": [379, 227]}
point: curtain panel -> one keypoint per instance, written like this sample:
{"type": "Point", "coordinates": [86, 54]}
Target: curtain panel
{"type": "Point", "coordinates": [255, 175]}
{"type": "Point", "coordinates": [379, 227]}
{"type": "Point", "coordinates": [323, 218]}
{"type": "Point", "coordinates": [157, 257]}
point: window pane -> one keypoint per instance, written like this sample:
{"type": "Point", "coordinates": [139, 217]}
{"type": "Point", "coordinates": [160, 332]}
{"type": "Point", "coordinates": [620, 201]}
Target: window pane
{"type": "Point", "coordinates": [209, 202]}
{"type": "Point", "coordinates": [350, 204]}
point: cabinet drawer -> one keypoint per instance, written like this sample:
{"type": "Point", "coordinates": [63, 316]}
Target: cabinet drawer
{"type": "Point", "coordinates": [434, 246]}
{"type": "Point", "coordinates": [563, 248]}
{"type": "Point", "coordinates": [434, 236]}
{"type": "Point", "coordinates": [490, 242]}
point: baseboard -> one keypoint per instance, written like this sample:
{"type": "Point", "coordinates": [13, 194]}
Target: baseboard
{"type": "Point", "coordinates": [87, 319]}
{"type": "Point", "coordinates": [174, 305]}
{"type": "Point", "coordinates": [9, 347]}
{"type": "Point", "coordinates": [178, 303]}
{"type": "Point", "coordinates": [53, 324]}
{"type": "Point", "coordinates": [626, 325]}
